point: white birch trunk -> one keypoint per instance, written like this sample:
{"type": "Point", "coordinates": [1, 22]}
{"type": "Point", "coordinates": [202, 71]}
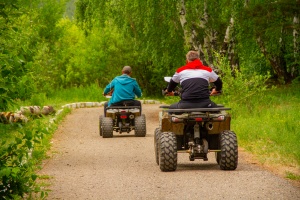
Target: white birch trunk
{"type": "Point", "coordinates": [190, 35]}
{"type": "Point", "coordinates": [227, 37]}
{"type": "Point", "coordinates": [207, 38]}
{"type": "Point", "coordinates": [183, 21]}
{"type": "Point", "coordinates": [296, 43]}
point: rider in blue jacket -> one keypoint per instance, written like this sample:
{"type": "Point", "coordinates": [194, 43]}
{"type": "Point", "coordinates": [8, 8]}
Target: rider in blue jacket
{"type": "Point", "coordinates": [124, 88]}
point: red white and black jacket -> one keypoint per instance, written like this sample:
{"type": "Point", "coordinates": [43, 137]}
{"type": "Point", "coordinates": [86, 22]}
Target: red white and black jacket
{"type": "Point", "coordinates": [194, 79]}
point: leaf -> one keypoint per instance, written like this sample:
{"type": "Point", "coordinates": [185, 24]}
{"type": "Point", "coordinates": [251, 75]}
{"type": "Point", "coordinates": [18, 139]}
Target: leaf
{"type": "Point", "coordinates": [5, 172]}
{"type": "Point", "coordinates": [15, 171]}
{"type": "Point", "coordinates": [34, 177]}
{"type": "Point", "coordinates": [15, 29]}
{"type": "Point", "coordinates": [18, 140]}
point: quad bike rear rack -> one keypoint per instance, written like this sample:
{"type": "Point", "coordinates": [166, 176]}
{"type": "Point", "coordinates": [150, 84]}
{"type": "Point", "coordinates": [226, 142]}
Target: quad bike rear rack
{"type": "Point", "coordinates": [220, 107]}
{"type": "Point", "coordinates": [122, 107]}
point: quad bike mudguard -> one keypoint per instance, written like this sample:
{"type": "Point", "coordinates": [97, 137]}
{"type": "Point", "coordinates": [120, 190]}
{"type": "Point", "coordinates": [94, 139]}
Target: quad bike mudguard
{"type": "Point", "coordinates": [217, 119]}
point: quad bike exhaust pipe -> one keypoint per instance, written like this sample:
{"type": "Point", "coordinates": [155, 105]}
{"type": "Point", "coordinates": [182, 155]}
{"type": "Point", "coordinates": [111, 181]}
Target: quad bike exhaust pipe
{"type": "Point", "coordinates": [209, 126]}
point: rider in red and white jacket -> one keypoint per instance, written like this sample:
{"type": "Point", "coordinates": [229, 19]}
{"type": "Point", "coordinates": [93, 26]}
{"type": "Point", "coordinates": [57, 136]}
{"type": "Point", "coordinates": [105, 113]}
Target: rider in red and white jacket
{"type": "Point", "coordinates": [194, 79]}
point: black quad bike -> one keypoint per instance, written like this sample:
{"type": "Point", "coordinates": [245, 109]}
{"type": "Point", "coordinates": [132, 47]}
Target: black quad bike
{"type": "Point", "coordinates": [196, 132]}
{"type": "Point", "coordinates": [122, 119]}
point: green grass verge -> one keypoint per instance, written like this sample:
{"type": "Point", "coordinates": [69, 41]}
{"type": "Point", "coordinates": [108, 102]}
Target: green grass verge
{"type": "Point", "coordinates": [268, 125]}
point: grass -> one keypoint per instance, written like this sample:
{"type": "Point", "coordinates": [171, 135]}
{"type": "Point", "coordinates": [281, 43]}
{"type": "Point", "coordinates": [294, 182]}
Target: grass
{"type": "Point", "coordinates": [61, 97]}
{"type": "Point", "coordinates": [267, 125]}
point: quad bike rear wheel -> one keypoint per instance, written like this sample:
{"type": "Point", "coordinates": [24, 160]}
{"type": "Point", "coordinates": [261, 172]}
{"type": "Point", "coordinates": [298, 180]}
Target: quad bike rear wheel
{"type": "Point", "coordinates": [100, 125]}
{"type": "Point", "coordinates": [228, 157]}
{"type": "Point", "coordinates": [167, 152]}
{"type": "Point", "coordinates": [140, 126]}
{"type": "Point", "coordinates": [157, 133]}
{"type": "Point", "coordinates": [107, 127]}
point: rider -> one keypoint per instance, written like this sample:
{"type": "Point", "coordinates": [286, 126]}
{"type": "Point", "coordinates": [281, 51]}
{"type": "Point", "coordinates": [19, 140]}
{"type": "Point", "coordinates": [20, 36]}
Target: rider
{"type": "Point", "coordinates": [194, 79]}
{"type": "Point", "coordinates": [123, 88]}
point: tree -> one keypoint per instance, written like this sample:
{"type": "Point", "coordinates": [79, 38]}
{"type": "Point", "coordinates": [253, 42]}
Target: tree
{"type": "Point", "coordinates": [271, 25]}
{"type": "Point", "coordinates": [154, 40]}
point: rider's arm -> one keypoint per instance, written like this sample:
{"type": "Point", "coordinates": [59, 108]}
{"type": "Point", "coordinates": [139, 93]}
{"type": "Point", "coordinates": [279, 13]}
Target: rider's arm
{"type": "Point", "coordinates": [137, 90]}
{"type": "Point", "coordinates": [171, 86]}
{"type": "Point", "coordinates": [108, 88]}
{"type": "Point", "coordinates": [218, 83]}
{"type": "Point", "coordinates": [218, 87]}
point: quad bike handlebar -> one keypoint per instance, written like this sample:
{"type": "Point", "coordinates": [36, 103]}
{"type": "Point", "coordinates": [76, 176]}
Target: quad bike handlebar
{"type": "Point", "coordinates": [174, 93]}
{"type": "Point", "coordinates": [178, 92]}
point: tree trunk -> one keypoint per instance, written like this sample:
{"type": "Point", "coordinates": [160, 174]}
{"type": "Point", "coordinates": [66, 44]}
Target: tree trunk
{"type": "Point", "coordinates": [229, 46]}
{"type": "Point", "coordinates": [206, 39]}
{"type": "Point", "coordinates": [295, 67]}
{"type": "Point", "coordinates": [277, 62]}
{"type": "Point", "coordinates": [191, 36]}
{"type": "Point", "coordinates": [184, 26]}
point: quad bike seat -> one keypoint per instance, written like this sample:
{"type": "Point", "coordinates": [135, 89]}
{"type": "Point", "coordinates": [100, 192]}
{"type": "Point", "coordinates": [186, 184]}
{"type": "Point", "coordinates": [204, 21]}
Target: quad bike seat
{"type": "Point", "coordinates": [123, 103]}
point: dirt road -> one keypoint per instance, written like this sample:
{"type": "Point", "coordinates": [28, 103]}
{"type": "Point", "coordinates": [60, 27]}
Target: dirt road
{"type": "Point", "coordinates": [84, 165]}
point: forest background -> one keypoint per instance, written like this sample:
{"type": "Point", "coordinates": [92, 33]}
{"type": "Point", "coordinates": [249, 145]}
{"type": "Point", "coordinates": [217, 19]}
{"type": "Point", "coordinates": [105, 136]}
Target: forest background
{"type": "Point", "coordinates": [70, 49]}
{"type": "Point", "coordinates": [49, 45]}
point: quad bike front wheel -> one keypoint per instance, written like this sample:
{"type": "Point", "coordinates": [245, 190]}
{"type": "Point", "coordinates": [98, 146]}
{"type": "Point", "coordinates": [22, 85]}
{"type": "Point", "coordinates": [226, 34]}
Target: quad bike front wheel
{"type": "Point", "coordinates": [157, 133]}
{"type": "Point", "coordinates": [167, 152]}
{"type": "Point", "coordinates": [227, 158]}
{"type": "Point", "coordinates": [140, 126]}
{"type": "Point", "coordinates": [107, 127]}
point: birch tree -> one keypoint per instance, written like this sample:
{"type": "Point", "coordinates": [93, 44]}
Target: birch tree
{"type": "Point", "coordinates": [273, 29]}
{"type": "Point", "coordinates": [255, 36]}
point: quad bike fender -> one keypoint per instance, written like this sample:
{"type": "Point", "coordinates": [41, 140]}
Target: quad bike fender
{"type": "Point", "coordinates": [112, 112]}
{"type": "Point", "coordinates": [167, 126]}
{"type": "Point", "coordinates": [218, 127]}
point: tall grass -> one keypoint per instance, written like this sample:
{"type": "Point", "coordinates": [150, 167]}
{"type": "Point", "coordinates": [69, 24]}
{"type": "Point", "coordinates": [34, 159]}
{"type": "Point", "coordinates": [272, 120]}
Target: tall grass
{"type": "Point", "coordinates": [268, 124]}
{"type": "Point", "coordinates": [266, 120]}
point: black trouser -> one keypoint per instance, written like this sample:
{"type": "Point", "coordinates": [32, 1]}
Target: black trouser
{"type": "Point", "coordinates": [124, 103]}
{"type": "Point", "coordinates": [202, 103]}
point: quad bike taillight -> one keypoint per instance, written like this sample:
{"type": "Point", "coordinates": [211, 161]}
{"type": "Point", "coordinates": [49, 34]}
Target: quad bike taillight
{"type": "Point", "coordinates": [199, 119]}
{"type": "Point", "coordinates": [219, 118]}
{"type": "Point", "coordinates": [123, 114]}
{"type": "Point", "coordinates": [176, 120]}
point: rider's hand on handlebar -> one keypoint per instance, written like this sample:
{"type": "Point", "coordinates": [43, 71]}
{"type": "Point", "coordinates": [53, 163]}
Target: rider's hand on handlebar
{"type": "Point", "coordinates": [214, 92]}
{"type": "Point", "coordinates": [169, 93]}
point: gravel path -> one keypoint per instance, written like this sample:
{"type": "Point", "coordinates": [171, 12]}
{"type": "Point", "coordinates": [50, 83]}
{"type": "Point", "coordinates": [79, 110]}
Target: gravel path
{"type": "Point", "coordinates": [84, 165]}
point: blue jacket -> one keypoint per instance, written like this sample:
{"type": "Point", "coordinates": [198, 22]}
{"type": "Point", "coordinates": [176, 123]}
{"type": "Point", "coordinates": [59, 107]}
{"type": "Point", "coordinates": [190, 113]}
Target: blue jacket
{"type": "Point", "coordinates": [125, 88]}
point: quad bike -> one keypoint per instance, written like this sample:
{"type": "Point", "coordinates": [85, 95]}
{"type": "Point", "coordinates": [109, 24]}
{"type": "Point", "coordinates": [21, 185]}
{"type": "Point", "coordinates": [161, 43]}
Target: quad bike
{"type": "Point", "coordinates": [196, 132]}
{"type": "Point", "coordinates": [122, 119]}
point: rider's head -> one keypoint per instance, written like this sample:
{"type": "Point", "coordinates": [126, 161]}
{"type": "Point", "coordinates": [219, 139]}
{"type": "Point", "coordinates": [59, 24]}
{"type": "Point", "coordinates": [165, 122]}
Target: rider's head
{"type": "Point", "coordinates": [126, 70]}
{"type": "Point", "coordinates": [192, 55]}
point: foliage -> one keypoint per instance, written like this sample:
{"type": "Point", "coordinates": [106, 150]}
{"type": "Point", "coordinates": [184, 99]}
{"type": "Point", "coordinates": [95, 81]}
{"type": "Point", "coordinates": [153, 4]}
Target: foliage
{"type": "Point", "coordinates": [23, 147]}
{"type": "Point", "coordinates": [269, 25]}
{"type": "Point", "coordinates": [149, 47]}
{"type": "Point", "coordinates": [239, 87]}
{"type": "Point", "coordinates": [24, 26]}
{"type": "Point", "coordinates": [90, 93]}
{"type": "Point", "coordinates": [18, 160]}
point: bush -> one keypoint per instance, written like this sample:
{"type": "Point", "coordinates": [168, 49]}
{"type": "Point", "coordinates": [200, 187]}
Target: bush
{"type": "Point", "coordinates": [18, 162]}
